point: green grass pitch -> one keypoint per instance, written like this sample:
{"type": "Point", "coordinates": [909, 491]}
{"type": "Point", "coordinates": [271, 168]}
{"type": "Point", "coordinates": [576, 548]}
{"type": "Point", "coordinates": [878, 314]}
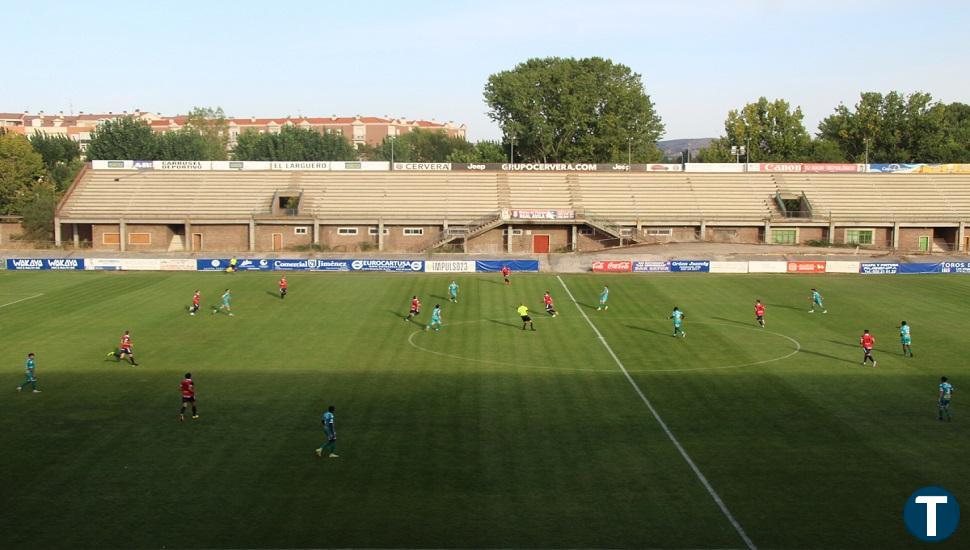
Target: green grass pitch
{"type": "Point", "coordinates": [482, 435]}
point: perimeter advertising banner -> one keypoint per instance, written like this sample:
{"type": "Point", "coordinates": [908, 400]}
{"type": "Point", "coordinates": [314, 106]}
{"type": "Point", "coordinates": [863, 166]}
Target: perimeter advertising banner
{"type": "Point", "coordinates": [45, 264]}
{"type": "Point", "coordinates": [650, 267]}
{"type": "Point", "coordinates": [514, 265]}
{"type": "Point", "coordinates": [613, 266]}
{"type": "Point", "coordinates": [697, 266]}
{"type": "Point", "coordinates": [806, 267]}
{"type": "Point", "coordinates": [449, 266]}
{"type": "Point", "coordinates": [883, 268]}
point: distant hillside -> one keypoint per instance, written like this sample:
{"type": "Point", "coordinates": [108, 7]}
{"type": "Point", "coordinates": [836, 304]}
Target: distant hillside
{"type": "Point", "coordinates": [673, 147]}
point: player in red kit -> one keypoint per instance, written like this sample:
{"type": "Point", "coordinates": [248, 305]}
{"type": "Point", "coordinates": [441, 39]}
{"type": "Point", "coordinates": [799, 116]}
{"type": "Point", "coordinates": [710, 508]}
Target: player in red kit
{"type": "Point", "coordinates": [188, 396]}
{"type": "Point", "coordinates": [283, 287]}
{"type": "Point", "coordinates": [415, 309]}
{"type": "Point", "coordinates": [505, 274]}
{"type": "Point", "coordinates": [550, 308]}
{"type": "Point", "coordinates": [867, 341]}
{"type": "Point", "coordinates": [196, 299]}
{"type": "Point", "coordinates": [759, 313]}
{"type": "Point", "coordinates": [124, 349]}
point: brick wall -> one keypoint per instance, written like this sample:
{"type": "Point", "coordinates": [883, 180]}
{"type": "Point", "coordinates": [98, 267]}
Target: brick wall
{"type": "Point", "coordinates": [97, 236]}
{"type": "Point", "coordinates": [679, 234]}
{"type": "Point", "coordinates": [330, 237]}
{"type": "Point", "coordinates": [288, 236]}
{"type": "Point", "coordinates": [159, 237]}
{"type": "Point", "coordinates": [234, 237]}
{"type": "Point", "coordinates": [489, 242]}
{"type": "Point", "coordinates": [909, 237]}
{"type": "Point", "coordinates": [725, 234]}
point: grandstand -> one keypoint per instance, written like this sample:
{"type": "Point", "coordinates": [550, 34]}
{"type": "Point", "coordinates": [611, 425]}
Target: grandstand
{"type": "Point", "coordinates": [532, 212]}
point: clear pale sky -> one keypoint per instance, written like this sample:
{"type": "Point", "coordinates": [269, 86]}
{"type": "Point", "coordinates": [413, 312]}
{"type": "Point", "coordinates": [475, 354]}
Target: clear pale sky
{"type": "Point", "coordinates": [430, 59]}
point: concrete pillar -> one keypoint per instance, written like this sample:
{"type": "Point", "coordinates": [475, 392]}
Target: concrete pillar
{"type": "Point", "coordinates": [573, 244]}
{"type": "Point", "coordinates": [57, 232]}
{"type": "Point", "coordinates": [76, 235]}
{"type": "Point", "coordinates": [896, 236]}
{"type": "Point", "coordinates": [767, 232]}
{"type": "Point", "coordinates": [122, 230]}
{"type": "Point", "coordinates": [508, 239]}
{"type": "Point", "coordinates": [188, 237]}
{"type": "Point", "coordinates": [252, 235]}
{"type": "Point", "coordinates": [316, 231]}
{"type": "Point", "coordinates": [961, 231]}
{"type": "Point", "coordinates": [703, 231]}
{"type": "Point", "coordinates": [831, 238]}
{"type": "Point", "coordinates": [380, 234]}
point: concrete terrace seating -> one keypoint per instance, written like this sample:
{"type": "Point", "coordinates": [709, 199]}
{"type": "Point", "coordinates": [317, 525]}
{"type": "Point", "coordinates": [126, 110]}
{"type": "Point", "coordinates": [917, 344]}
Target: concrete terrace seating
{"type": "Point", "coordinates": [627, 197]}
{"type": "Point", "coordinates": [883, 197]}
{"type": "Point", "coordinates": [406, 196]}
{"type": "Point", "coordinates": [733, 196]}
{"type": "Point", "coordinates": [541, 191]}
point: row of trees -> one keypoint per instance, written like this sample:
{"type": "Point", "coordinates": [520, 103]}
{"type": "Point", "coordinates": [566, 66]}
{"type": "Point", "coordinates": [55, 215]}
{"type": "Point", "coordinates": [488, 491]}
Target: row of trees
{"type": "Point", "coordinates": [880, 128]}
{"type": "Point", "coordinates": [33, 173]}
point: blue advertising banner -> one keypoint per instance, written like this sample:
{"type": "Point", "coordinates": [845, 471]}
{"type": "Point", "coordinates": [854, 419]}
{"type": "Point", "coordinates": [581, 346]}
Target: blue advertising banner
{"type": "Point", "coordinates": [309, 264]}
{"type": "Point", "coordinates": [406, 266]}
{"type": "Point", "coordinates": [651, 267]}
{"type": "Point", "coordinates": [247, 264]}
{"type": "Point", "coordinates": [878, 268]}
{"type": "Point", "coordinates": [45, 264]}
{"type": "Point", "coordinates": [919, 268]}
{"type": "Point", "coordinates": [895, 168]}
{"type": "Point", "coordinates": [955, 267]}
{"type": "Point", "coordinates": [699, 266]}
{"type": "Point", "coordinates": [514, 265]}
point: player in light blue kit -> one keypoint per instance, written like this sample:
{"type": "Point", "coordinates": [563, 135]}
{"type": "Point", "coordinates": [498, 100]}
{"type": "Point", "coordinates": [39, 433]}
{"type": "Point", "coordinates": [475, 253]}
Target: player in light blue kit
{"type": "Point", "coordinates": [30, 377]}
{"type": "Point", "coordinates": [678, 316]}
{"type": "Point", "coordinates": [946, 393]}
{"type": "Point", "coordinates": [817, 301]}
{"type": "Point", "coordinates": [905, 339]}
{"type": "Point", "coordinates": [331, 432]}
{"type": "Point", "coordinates": [604, 296]}
{"type": "Point", "coordinates": [435, 319]}
{"type": "Point", "coordinates": [453, 292]}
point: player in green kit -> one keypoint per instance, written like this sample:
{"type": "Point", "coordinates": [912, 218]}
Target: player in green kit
{"type": "Point", "coordinates": [331, 432]}
{"type": "Point", "coordinates": [226, 303]}
{"type": "Point", "coordinates": [30, 377]}
{"type": "Point", "coordinates": [946, 393]}
{"type": "Point", "coordinates": [604, 296]}
{"type": "Point", "coordinates": [453, 292]}
{"type": "Point", "coordinates": [817, 301]}
{"type": "Point", "coordinates": [905, 339]}
{"type": "Point", "coordinates": [678, 316]}
{"type": "Point", "coordinates": [435, 319]}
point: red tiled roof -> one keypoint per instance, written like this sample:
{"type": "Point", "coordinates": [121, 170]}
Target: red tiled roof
{"type": "Point", "coordinates": [9, 116]}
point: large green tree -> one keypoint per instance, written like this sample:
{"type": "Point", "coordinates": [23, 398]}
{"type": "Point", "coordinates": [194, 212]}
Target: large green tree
{"type": "Point", "coordinates": [896, 127]}
{"type": "Point", "coordinates": [293, 144]}
{"type": "Point", "coordinates": [62, 158]}
{"type": "Point", "coordinates": [212, 125]}
{"type": "Point", "coordinates": [574, 110]}
{"type": "Point", "coordinates": [184, 144]}
{"type": "Point", "coordinates": [21, 170]}
{"type": "Point", "coordinates": [122, 139]}
{"type": "Point", "coordinates": [421, 146]}
{"type": "Point", "coordinates": [483, 151]}
{"type": "Point", "coordinates": [770, 130]}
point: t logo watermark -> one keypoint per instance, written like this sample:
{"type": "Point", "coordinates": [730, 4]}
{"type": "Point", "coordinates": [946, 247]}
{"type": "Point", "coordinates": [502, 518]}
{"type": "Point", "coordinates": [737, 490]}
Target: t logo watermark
{"type": "Point", "coordinates": [931, 514]}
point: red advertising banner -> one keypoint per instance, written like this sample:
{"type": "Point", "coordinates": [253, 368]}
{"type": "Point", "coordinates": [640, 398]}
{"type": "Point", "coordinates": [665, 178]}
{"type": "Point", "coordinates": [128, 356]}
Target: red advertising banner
{"type": "Point", "coordinates": [820, 168]}
{"type": "Point", "coordinates": [780, 167]}
{"type": "Point", "coordinates": [806, 267]}
{"type": "Point", "coordinates": [617, 266]}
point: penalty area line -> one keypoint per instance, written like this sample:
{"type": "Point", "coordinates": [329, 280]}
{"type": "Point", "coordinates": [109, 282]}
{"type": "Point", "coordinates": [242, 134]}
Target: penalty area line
{"type": "Point", "coordinates": [670, 435]}
{"type": "Point", "coordinates": [22, 300]}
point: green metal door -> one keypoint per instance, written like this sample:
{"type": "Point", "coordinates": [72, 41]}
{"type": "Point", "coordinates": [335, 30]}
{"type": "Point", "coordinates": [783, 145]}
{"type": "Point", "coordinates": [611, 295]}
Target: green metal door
{"type": "Point", "coordinates": [924, 244]}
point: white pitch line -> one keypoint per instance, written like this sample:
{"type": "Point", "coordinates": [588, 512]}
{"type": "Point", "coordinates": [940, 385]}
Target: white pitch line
{"type": "Point", "coordinates": [670, 435]}
{"type": "Point", "coordinates": [22, 300]}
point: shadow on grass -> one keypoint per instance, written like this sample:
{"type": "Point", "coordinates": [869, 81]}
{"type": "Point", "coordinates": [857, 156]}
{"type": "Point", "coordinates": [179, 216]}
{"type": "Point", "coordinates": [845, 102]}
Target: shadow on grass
{"type": "Point", "coordinates": [492, 281]}
{"type": "Point", "coordinates": [827, 356]}
{"type": "Point", "coordinates": [587, 306]}
{"type": "Point", "coordinates": [497, 322]}
{"type": "Point", "coordinates": [650, 330]}
{"type": "Point", "coordinates": [273, 294]}
{"type": "Point", "coordinates": [437, 297]}
{"type": "Point", "coordinates": [785, 306]}
{"type": "Point", "coordinates": [732, 321]}
{"type": "Point", "coordinates": [855, 346]}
